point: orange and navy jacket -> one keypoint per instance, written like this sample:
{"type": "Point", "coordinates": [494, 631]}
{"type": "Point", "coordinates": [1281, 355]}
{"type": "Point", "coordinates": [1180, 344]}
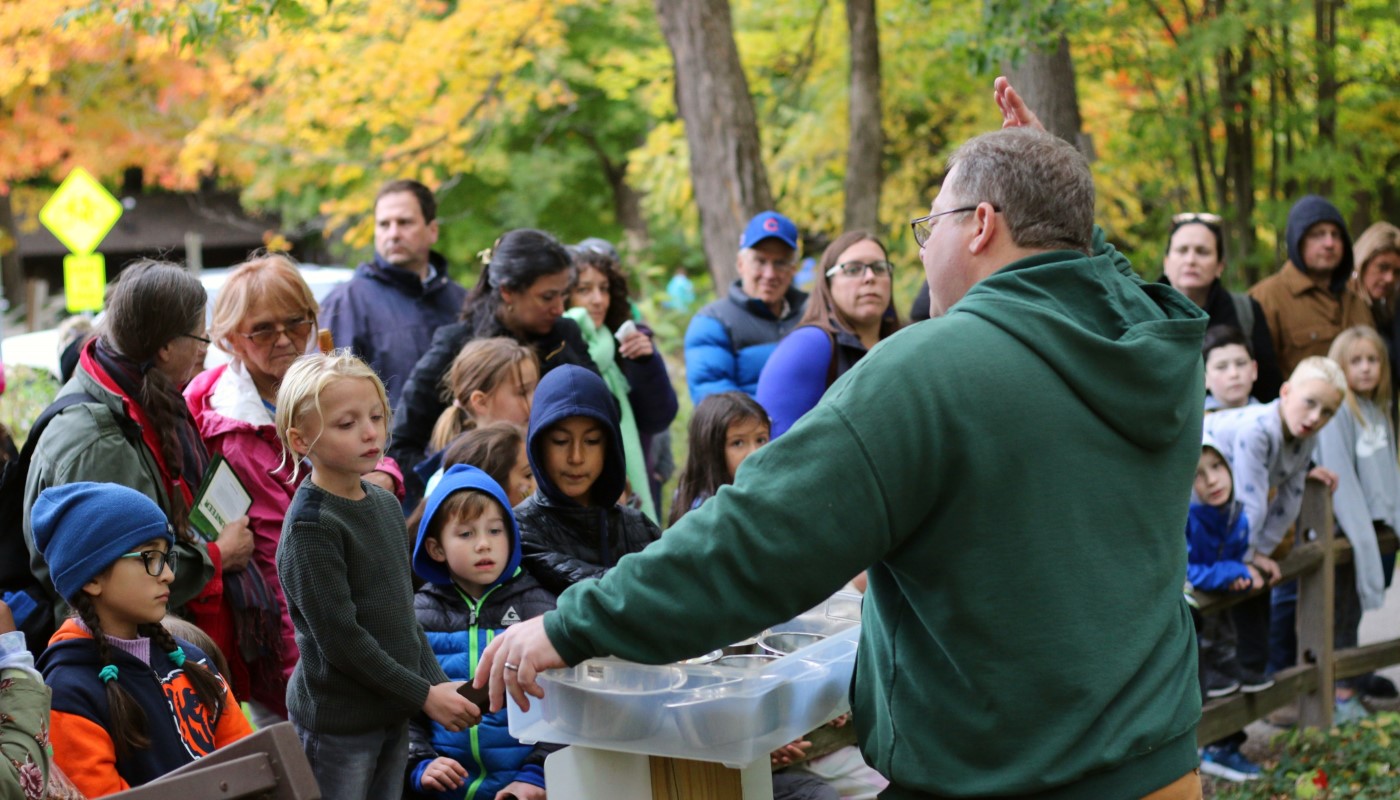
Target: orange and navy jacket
{"type": "Point", "coordinates": [180, 727]}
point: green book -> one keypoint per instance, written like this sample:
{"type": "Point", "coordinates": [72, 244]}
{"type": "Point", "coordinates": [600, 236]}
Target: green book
{"type": "Point", "coordinates": [222, 498]}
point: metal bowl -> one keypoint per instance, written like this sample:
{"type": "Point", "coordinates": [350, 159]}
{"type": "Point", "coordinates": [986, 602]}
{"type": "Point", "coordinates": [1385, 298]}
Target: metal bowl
{"type": "Point", "coordinates": [708, 658]}
{"type": "Point", "coordinates": [746, 662]}
{"type": "Point", "coordinates": [610, 701]}
{"type": "Point", "coordinates": [787, 642]}
{"type": "Point", "coordinates": [721, 710]}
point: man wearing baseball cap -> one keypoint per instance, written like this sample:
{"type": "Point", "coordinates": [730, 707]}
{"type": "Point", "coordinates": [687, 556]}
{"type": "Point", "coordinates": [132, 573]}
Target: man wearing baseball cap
{"type": "Point", "coordinates": [729, 340]}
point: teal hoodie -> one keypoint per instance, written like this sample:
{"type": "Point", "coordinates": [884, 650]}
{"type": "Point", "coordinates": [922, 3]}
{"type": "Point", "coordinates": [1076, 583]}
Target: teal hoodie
{"type": "Point", "coordinates": [1014, 475]}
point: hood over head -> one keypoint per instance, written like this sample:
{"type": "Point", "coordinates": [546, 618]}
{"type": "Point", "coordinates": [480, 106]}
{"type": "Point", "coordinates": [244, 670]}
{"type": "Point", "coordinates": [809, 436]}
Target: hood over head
{"type": "Point", "coordinates": [1306, 213]}
{"type": "Point", "coordinates": [1117, 341]}
{"type": "Point", "coordinates": [1207, 440]}
{"type": "Point", "coordinates": [572, 391]}
{"type": "Point", "coordinates": [462, 478]}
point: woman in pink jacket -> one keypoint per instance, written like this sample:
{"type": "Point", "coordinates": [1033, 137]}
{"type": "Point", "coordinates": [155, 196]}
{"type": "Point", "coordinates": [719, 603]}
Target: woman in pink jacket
{"type": "Point", "coordinates": [265, 318]}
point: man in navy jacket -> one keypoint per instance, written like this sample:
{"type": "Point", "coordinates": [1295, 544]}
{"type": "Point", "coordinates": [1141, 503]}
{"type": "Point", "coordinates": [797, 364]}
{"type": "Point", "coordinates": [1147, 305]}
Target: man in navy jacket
{"type": "Point", "coordinates": [387, 313]}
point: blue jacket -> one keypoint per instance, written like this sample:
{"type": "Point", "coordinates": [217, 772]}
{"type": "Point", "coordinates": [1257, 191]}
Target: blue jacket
{"type": "Point", "coordinates": [563, 541]}
{"type": "Point", "coordinates": [387, 316]}
{"type": "Point", "coordinates": [801, 369]}
{"type": "Point", "coordinates": [459, 629]}
{"type": "Point", "coordinates": [729, 341]}
{"type": "Point", "coordinates": [1216, 540]}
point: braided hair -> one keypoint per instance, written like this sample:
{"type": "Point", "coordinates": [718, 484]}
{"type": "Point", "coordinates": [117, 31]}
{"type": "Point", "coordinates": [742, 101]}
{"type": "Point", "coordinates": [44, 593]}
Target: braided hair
{"type": "Point", "coordinates": [129, 723]}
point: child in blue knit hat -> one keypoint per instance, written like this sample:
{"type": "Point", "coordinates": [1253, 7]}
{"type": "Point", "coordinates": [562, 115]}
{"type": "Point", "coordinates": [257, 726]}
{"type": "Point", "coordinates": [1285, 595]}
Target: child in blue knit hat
{"type": "Point", "coordinates": [130, 701]}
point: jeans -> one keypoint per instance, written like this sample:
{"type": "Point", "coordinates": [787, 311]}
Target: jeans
{"type": "Point", "coordinates": [358, 766]}
{"type": "Point", "coordinates": [1283, 631]}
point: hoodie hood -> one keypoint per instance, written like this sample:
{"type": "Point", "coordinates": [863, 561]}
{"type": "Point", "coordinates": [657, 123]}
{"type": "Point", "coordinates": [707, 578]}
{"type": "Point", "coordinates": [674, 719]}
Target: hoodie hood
{"type": "Point", "coordinates": [1113, 338]}
{"type": "Point", "coordinates": [1306, 213]}
{"type": "Point", "coordinates": [572, 391]}
{"type": "Point", "coordinates": [458, 478]}
{"type": "Point", "coordinates": [1208, 440]}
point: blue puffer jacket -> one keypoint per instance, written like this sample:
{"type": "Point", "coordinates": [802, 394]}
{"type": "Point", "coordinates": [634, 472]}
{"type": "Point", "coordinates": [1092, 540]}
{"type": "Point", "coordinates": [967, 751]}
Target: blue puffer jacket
{"type": "Point", "coordinates": [1216, 540]}
{"type": "Point", "coordinates": [729, 341]}
{"type": "Point", "coordinates": [459, 629]}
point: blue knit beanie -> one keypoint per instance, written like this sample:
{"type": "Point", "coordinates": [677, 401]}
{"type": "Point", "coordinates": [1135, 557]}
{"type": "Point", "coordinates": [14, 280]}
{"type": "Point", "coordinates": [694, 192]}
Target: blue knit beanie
{"type": "Point", "coordinates": [82, 528]}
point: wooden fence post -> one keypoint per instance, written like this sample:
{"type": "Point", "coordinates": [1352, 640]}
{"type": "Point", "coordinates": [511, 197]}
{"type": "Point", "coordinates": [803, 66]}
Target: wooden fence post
{"type": "Point", "coordinates": [1315, 608]}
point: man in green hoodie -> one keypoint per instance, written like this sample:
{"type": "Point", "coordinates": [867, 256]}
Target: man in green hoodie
{"type": "Point", "coordinates": [1012, 473]}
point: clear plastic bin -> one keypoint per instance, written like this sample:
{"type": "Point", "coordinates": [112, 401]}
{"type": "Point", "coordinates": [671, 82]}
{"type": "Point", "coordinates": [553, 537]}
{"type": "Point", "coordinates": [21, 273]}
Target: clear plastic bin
{"type": "Point", "coordinates": [708, 712]}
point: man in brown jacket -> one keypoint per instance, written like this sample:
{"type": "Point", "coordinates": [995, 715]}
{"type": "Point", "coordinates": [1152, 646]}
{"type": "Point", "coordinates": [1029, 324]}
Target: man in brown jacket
{"type": "Point", "coordinates": [1306, 303]}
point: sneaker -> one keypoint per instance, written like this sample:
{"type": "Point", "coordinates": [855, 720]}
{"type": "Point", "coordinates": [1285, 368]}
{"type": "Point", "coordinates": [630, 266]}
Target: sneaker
{"type": "Point", "coordinates": [1251, 681]}
{"type": "Point", "coordinates": [1226, 761]}
{"type": "Point", "coordinates": [1380, 687]}
{"type": "Point", "coordinates": [1217, 684]}
{"type": "Point", "coordinates": [1350, 710]}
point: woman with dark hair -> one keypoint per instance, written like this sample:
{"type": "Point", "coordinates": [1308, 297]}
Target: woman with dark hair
{"type": "Point", "coordinates": [1193, 264]}
{"type": "Point", "coordinates": [851, 309]}
{"type": "Point", "coordinates": [522, 293]}
{"type": "Point", "coordinates": [138, 432]}
{"type": "Point", "coordinates": [626, 358]}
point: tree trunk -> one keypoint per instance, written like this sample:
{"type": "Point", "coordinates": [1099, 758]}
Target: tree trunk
{"type": "Point", "coordinates": [11, 268]}
{"type": "Point", "coordinates": [1237, 100]}
{"type": "Point", "coordinates": [1045, 78]}
{"type": "Point", "coordinates": [867, 142]}
{"type": "Point", "coordinates": [1325, 40]}
{"type": "Point", "coordinates": [712, 95]}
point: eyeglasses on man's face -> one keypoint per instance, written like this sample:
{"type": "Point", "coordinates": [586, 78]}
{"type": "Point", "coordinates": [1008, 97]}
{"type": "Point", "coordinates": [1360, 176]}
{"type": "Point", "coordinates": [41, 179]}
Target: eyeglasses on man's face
{"type": "Point", "coordinates": [155, 561]}
{"type": "Point", "coordinates": [923, 226]}
{"type": "Point", "coordinates": [855, 269]}
{"type": "Point", "coordinates": [1197, 216]}
{"type": "Point", "coordinates": [297, 328]}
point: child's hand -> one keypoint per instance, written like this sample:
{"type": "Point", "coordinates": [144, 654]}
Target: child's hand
{"type": "Point", "coordinates": [1243, 584]}
{"type": "Point", "coordinates": [7, 618]}
{"type": "Point", "coordinates": [381, 479]}
{"type": "Point", "coordinates": [520, 790]}
{"type": "Point", "coordinates": [1268, 569]}
{"type": "Point", "coordinates": [1325, 475]}
{"type": "Point", "coordinates": [443, 775]}
{"type": "Point", "coordinates": [839, 722]}
{"type": "Point", "coordinates": [450, 709]}
{"type": "Point", "coordinates": [789, 753]}
{"type": "Point", "coordinates": [236, 544]}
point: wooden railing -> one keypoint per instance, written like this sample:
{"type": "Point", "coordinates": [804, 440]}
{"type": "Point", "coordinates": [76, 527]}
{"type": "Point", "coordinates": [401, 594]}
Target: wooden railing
{"type": "Point", "coordinates": [1312, 562]}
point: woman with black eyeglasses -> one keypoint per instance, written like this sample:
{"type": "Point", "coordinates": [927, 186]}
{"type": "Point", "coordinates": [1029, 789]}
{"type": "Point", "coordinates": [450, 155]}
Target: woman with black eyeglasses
{"type": "Point", "coordinates": [134, 429]}
{"type": "Point", "coordinates": [265, 318]}
{"type": "Point", "coordinates": [851, 309]}
{"type": "Point", "coordinates": [1193, 264]}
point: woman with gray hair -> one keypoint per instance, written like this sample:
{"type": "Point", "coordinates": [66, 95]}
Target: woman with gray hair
{"type": "Point", "coordinates": [522, 294]}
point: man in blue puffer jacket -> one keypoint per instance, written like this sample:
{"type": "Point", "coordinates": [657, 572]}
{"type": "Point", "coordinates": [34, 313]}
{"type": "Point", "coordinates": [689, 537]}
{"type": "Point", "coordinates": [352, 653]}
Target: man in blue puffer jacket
{"type": "Point", "coordinates": [729, 340]}
{"type": "Point", "coordinates": [468, 551]}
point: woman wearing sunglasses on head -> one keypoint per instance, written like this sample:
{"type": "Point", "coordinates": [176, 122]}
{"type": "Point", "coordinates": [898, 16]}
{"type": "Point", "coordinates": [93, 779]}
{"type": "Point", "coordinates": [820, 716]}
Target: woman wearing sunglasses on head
{"type": "Point", "coordinates": [265, 319]}
{"type": "Point", "coordinates": [850, 310]}
{"type": "Point", "coordinates": [1193, 264]}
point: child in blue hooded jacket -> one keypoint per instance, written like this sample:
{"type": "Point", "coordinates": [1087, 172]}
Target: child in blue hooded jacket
{"type": "Point", "coordinates": [573, 528]}
{"type": "Point", "coordinates": [468, 551]}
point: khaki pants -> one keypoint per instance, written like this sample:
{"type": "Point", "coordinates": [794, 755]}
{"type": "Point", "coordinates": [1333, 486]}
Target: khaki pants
{"type": "Point", "coordinates": [1187, 787]}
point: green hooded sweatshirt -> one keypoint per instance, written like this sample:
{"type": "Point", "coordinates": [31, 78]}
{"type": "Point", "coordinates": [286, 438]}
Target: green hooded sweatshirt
{"type": "Point", "coordinates": [1015, 477]}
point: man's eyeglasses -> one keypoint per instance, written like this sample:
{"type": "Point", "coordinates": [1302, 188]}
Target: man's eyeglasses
{"type": "Point", "coordinates": [154, 560]}
{"type": "Point", "coordinates": [294, 328]}
{"type": "Point", "coordinates": [204, 339]}
{"type": "Point", "coordinates": [855, 269]}
{"type": "Point", "coordinates": [1197, 216]}
{"type": "Point", "coordinates": [923, 226]}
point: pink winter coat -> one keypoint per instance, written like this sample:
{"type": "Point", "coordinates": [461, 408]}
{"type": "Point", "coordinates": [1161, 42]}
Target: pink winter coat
{"type": "Point", "coordinates": [235, 424]}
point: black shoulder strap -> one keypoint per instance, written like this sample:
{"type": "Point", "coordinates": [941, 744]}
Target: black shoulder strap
{"type": "Point", "coordinates": [831, 365]}
{"type": "Point", "coordinates": [129, 428]}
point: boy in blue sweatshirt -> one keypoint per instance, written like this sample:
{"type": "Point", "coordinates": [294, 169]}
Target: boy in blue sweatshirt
{"type": "Point", "coordinates": [1217, 539]}
{"type": "Point", "coordinates": [468, 551]}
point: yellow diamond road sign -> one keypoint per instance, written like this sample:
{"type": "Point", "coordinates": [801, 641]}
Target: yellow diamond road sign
{"type": "Point", "coordinates": [81, 212]}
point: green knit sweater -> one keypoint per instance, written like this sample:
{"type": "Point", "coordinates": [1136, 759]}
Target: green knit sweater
{"type": "Point", "coordinates": [365, 663]}
{"type": "Point", "coordinates": [1014, 475]}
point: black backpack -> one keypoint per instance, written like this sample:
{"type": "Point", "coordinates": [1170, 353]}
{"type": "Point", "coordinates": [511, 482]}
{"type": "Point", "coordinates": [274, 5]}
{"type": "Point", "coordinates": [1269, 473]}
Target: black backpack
{"type": "Point", "coordinates": [29, 599]}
